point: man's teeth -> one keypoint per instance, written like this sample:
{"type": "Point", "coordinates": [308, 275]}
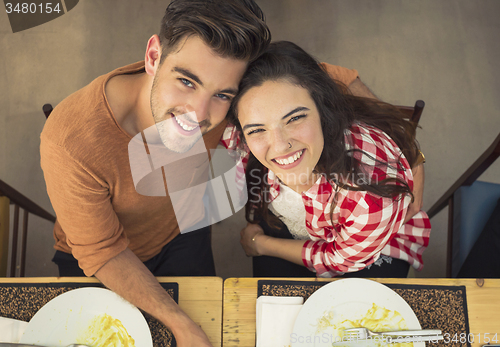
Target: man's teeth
{"type": "Point", "coordinates": [290, 159]}
{"type": "Point", "coordinates": [184, 126]}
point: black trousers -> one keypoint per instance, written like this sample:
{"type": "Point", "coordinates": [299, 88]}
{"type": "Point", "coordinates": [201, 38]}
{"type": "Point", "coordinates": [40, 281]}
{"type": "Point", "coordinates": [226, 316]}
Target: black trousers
{"type": "Point", "coordinates": [187, 254]}
{"type": "Point", "coordinates": [264, 266]}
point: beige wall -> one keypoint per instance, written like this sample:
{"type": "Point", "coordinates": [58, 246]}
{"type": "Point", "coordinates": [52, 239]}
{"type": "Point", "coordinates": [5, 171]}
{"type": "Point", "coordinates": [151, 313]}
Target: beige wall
{"type": "Point", "coordinates": [444, 52]}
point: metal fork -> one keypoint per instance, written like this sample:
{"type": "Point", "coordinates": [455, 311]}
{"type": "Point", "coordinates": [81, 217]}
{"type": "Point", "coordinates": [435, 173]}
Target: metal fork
{"type": "Point", "coordinates": [364, 333]}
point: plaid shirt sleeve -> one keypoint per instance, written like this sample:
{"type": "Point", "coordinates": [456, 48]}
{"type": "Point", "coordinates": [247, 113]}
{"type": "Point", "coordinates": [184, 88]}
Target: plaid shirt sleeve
{"type": "Point", "coordinates": [364, 224]}
{"type": "Point", "coordinates": [238, 151]}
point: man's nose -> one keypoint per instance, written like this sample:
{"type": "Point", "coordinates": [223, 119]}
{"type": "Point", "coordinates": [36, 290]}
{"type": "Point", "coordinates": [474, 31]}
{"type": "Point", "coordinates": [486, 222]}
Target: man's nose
{"type": "Point", "coordinates": [200, 106]}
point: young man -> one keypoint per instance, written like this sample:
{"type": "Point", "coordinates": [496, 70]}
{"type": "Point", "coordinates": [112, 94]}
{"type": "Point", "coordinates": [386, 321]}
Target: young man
{"type": "Point", "coordinates": [190, 73]}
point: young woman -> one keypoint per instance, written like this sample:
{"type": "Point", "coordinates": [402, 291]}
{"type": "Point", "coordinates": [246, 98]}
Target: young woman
{"type": "Point", "coordinates": [329, 174]}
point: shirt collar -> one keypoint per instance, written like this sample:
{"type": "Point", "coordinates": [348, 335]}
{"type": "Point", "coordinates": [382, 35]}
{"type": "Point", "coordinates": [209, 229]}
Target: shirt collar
{"type": "Point", "coordinates": [321, 191]}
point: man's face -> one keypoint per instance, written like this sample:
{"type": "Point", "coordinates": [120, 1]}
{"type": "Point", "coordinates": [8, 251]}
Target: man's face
{"type": "Point", "coordinates": [191, 93]}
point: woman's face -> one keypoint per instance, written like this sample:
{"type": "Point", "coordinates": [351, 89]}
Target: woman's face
{"type": "Point", "coordinates": [282, 128]}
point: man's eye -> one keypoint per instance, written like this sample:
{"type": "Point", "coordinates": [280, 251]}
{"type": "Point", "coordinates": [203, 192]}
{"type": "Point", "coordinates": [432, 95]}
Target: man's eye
{"type": "Point", "coordinates": [254, 131]}
{"type": "Point", "coordinates": [295, 118]}
{"type": "Point", "coordinates": [223, 97]}
{"type": "Point", "coordinates": [186, 82]}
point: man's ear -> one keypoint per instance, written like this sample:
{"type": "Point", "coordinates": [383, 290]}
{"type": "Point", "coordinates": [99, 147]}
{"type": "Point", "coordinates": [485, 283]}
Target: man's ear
{"type": "Point", "coordinates": [153, 55]}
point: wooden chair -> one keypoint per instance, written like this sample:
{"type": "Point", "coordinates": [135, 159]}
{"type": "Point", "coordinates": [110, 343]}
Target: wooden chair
{"type": "Point", "coordinates": [460, 241]}
{"type": "Point", "coordinates": [47, 109]}
{"type": "Point", "coordinates": [413, 113]}
{"type": "Point", "coordinates": [10, 196]}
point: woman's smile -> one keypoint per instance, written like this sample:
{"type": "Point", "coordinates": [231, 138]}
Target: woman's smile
{"type": "Point", "coordinates": [289, 161]}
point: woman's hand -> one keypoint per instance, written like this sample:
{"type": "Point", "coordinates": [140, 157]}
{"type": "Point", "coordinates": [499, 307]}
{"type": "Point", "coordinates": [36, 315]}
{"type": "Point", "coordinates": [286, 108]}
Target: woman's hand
{"type": "Point", "coordinates": [249, 236]}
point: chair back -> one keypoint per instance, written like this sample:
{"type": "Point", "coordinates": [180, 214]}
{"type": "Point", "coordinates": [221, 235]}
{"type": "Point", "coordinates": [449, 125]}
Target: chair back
{"type": "Point", "coordinates": [413, 113]}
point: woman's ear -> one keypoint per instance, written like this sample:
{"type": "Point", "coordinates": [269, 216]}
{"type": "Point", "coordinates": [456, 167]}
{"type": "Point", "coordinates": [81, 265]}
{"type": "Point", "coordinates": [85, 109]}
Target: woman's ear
{"type": "Point", "coordinates": [153, 55]}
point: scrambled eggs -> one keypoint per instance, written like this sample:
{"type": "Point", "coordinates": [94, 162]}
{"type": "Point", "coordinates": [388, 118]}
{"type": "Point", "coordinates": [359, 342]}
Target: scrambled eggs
{"type": "Point", "coordinates": [377, 319]}
{"type": "Point", "coordinates": [106, 331]}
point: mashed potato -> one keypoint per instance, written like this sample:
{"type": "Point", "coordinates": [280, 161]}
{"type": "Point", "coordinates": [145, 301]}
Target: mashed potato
{"type": "Point", "coordinates": [106, 331]}
{"type": "Point", "coordinates": [378, 319]}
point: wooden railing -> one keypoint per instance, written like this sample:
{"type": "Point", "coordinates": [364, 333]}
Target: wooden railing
{"type": "Point", "coordinates": [10, 196]}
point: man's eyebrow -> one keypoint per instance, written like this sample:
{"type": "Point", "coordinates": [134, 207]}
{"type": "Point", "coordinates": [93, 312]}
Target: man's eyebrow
{"type": "Point", "coordinates": [188, 74]}
{"type": "Point", "coordinates": [232, 91]}
{"type": "Point", "coordinates": [295, 110]}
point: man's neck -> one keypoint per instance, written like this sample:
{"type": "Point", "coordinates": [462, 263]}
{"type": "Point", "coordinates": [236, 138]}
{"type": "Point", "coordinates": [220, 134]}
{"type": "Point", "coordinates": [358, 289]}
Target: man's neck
{"type": "Point", "coordinates": [129, 99]}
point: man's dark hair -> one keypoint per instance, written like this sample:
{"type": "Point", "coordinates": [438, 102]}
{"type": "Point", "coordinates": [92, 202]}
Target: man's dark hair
{"type": "Point", "coordinates": [232, 28]}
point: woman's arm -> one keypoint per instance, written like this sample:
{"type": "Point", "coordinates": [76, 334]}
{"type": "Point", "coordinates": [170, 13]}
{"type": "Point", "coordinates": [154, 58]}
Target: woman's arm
{"type": "Point", "coordinates": [255, 243]}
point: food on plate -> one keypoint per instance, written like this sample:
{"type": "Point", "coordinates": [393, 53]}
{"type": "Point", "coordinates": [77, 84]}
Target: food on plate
{"type": "Point", "coordinates": [378, 319]}
{"type": "Point", "coordinates": [106, 331]}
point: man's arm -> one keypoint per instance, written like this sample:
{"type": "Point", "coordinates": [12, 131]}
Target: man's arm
{"type": "Point", "coordinates": [127, 276]}
{"type": "Point", "coordinates": [418, 192]}
{"type": "Point", "coordinates": [358, 88]}
{"type": "Point", "coordinates": [76, 195]}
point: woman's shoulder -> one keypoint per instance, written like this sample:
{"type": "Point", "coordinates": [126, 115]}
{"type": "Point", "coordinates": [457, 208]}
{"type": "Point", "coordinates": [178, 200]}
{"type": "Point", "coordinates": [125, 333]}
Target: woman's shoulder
{"type": "Point", "coordinates": [361, 137]}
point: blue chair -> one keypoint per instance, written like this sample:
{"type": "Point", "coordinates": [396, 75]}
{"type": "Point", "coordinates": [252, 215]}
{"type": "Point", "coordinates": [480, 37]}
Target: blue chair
{"type": "Point", "coordinates": [477, 200]}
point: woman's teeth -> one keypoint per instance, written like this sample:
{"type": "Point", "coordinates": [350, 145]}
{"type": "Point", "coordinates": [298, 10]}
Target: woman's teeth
{"type": "Point", "coordinates": [184, 126]}
{"type": "Point", "coordinates": [290, 159]}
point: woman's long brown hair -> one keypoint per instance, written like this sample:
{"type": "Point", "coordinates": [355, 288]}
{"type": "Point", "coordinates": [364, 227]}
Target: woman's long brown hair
{"type": "Point", "coordinates": [338, 110]}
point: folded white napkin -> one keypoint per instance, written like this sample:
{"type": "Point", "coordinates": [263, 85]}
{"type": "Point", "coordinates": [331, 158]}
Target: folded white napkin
{"type": "Point", "coordinates": [11, 330]}
{"type": "Point", "coordinates": [275, 317]}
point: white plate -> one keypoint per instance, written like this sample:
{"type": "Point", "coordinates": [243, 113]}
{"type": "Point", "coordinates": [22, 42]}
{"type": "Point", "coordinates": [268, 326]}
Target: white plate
{"type": "Point", "coordinates": [59, 322]}
{"type": "Point", "coordinates": [349, 298]}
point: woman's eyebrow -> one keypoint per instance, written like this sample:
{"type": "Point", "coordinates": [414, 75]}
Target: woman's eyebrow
{"type": "Point", "coordinates": [297, 109]}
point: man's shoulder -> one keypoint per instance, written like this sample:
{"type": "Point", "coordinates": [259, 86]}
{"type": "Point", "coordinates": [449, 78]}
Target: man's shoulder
{"type": "Point", "coordinates": [84, 112]}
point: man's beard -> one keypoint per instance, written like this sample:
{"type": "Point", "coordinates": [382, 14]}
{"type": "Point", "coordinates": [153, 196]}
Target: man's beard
{"type": "Point", "coordinates": [168, 128]}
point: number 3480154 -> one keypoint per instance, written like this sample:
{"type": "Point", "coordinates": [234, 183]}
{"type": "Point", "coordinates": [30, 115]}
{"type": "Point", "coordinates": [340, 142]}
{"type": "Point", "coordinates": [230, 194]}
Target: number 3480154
{"type": "Point", "coordinates": [471, 338]}
{"type": "Point", "coordinates": [24, 7]}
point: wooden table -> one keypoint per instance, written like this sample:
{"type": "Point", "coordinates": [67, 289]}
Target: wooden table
{"type": "Point", "coordinates": [199, 297]}
{"type": "Point", "coordinates": [240, 295]}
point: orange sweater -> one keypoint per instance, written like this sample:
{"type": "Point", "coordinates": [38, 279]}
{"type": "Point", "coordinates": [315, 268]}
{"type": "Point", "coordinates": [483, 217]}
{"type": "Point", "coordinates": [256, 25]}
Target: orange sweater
{"type": "Point", "coordinates": [84, 157]}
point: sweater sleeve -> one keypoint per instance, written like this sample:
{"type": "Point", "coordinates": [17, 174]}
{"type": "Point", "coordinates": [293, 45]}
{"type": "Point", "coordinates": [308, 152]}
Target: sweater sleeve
{"type": "Point", "coordinates": [82, 203]}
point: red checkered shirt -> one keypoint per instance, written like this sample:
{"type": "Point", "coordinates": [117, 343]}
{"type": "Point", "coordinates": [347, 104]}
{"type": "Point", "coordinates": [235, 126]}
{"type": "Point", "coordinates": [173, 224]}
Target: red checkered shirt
{"type": "Point", "coordinates": [363, 225]}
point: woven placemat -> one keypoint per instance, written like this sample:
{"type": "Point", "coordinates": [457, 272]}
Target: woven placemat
{"type": "Point", "coordinates": [22, 300]}
{"type": "Point", "coordinates": [436, 307]}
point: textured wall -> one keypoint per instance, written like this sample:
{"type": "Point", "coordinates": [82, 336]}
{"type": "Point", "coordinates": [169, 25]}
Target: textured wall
{"type": "Point", "coordinates": [444, 52]}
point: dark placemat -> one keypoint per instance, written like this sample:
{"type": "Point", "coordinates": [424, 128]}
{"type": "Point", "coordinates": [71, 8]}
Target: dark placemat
{"type": "Point", "coordinates": [22, 300]}
{"type": "Point", "coordinates": [436, 307]}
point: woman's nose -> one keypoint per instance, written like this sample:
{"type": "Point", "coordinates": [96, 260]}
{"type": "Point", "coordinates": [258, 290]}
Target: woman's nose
{"type": "Point", "coordinates": [280, 142]}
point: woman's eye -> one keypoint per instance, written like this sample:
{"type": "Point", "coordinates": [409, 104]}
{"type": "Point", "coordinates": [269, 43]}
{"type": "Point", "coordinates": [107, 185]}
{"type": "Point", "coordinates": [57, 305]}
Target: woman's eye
{"type": "Point", "coordinates": [254, 131]}
{"type": "Point", "coordinates": [186, 82]}
{"type": "Point", "coordinates": [295, 118]}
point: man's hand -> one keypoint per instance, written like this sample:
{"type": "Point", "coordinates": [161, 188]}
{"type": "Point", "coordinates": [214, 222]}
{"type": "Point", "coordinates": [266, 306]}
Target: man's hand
{"type": "Point", "coordinates": [418, 192]}
{"type": "Point", "coordinates": [128, 277]}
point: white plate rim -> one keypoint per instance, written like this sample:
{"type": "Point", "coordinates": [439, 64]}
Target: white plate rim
{"type": "Point", "coordinates": [75, 302]}
{"type": "Point", "coordinates": [336, 291]}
